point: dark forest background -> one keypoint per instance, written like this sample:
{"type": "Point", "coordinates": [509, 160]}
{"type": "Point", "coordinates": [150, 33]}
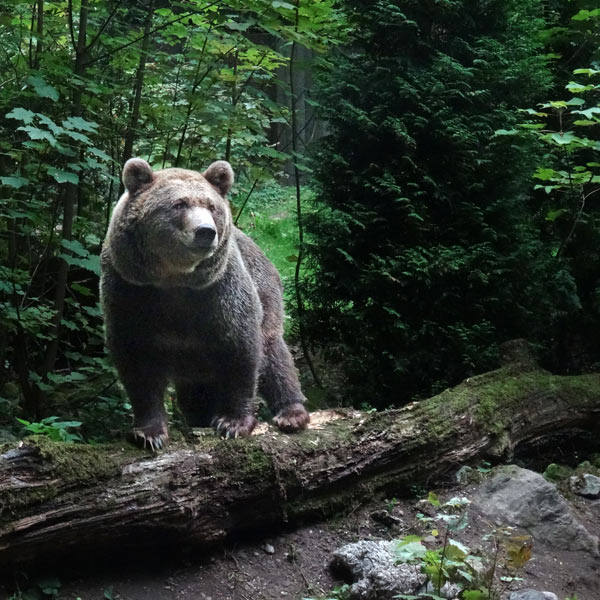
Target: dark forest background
{"type": "Point", "coordinates": [424, 174]}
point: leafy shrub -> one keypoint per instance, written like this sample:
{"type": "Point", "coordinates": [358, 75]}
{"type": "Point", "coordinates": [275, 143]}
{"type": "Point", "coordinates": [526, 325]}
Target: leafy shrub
{"type": "Point", "coordinates": [424, 250]}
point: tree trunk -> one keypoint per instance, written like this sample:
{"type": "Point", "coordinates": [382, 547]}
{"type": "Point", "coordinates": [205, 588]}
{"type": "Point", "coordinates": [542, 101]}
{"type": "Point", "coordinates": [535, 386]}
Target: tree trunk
{"type": "Point", "coordinates": [60, 499]}
{"type": "Point", "coordinates": [295, 135]}
{"type": "Point", "coordinates": [137, 98]}
{"type": "Point", "coordinates": [70, 199]}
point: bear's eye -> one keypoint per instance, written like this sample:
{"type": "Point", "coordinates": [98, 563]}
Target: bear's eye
{"type": "Point", "coordinates": [212, 207]}
{"type": "Point", "coordinates": [180, 204]}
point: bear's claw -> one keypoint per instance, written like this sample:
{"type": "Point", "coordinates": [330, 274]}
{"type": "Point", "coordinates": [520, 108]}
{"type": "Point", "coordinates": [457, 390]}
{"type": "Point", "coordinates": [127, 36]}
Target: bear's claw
{"type": "Point", "coordinates": [153, 439]}
{"type": "Point", "coordinates": [234, 427]}
{"type": "Point", "coordinates": [292, 418]}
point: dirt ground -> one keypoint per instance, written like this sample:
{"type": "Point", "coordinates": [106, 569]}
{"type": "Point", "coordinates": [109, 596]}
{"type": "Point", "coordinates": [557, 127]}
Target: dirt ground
{"type": "Point", "coordinates": [294, 565]}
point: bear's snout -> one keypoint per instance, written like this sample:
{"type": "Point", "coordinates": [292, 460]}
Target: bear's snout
{"type": "Point", "coordinates": [201, 229]}
{"type": "Point", "coordinates": [204, 235]}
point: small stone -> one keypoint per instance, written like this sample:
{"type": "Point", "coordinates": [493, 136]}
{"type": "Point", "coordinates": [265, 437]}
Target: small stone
{"type": "Point", "coordinates": [430, 539]}
{"type": "Point", "coordinates": [268, 549]}
{"type": "Point", "coordinates": [586, 485]}
{"type": "Point", "coordinates": [386, 518]}
{"type": "Point", "coordinates": [530, 594]}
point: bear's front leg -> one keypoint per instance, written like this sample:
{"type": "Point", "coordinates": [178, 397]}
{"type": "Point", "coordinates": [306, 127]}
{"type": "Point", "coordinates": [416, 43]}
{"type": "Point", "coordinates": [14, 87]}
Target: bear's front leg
{"type": "Point", "coordinates": [233, 397]}
{"type": "Point", "coordinates": [145, 388]}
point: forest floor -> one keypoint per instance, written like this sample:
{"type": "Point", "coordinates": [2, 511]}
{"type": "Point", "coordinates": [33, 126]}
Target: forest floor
{"type": "Point", "coordinates": [295, 564]}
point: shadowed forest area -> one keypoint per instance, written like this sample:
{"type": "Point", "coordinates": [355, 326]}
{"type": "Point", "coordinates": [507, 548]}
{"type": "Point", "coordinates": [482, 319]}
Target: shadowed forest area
{"type": "Point", "coordinates": [425, 176]}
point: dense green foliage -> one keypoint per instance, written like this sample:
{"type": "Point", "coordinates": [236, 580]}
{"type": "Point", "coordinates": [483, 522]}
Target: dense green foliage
{"type": "Point", "coordinates": [427, 243]}
{"type": "Point", "coordinates": [86, 85]}
{"type": "Point", "coordinates": [428, 253]}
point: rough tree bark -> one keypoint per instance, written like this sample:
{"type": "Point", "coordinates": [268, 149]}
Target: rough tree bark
{"type": "Point", "coordinates": [56, 499]}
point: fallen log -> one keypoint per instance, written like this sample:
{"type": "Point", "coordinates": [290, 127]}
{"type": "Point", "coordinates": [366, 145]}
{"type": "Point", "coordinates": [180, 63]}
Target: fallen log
{"type": "Point", "coordinates": [57, 499]}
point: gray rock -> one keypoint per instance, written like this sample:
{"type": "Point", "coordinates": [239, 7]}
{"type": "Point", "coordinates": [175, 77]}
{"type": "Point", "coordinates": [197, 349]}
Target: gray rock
{"type": "Point", "coordinates": [586, 485]}
{"type": "Point", "coordinates": [268, 549]}
{"type": "Point", "coordinates": [520, 498]}
{"type": "Point", "coordinates": [448, 590]}
{"type": "Point", "coordinates": [372, 566]}
{"type": "Point", "coordinates": [532, 595]}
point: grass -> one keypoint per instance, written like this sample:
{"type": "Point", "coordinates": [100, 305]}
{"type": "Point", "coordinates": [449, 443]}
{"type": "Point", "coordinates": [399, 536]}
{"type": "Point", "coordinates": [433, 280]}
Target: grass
{"type": "Point", "coordinates": [269, 218]}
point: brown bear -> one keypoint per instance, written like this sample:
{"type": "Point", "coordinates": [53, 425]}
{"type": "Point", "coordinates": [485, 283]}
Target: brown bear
{"type": "Point", "coordinates": [189, 299]}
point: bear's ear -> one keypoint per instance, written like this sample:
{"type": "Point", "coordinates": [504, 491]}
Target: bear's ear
{"type": "Point", "coordinates": [220, 175]}
{"type": "Point", "coordinates": [136, 173]}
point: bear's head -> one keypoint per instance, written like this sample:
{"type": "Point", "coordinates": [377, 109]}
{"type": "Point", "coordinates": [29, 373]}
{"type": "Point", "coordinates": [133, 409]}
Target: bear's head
{"type": "Point", "coordinates": [170, 222]}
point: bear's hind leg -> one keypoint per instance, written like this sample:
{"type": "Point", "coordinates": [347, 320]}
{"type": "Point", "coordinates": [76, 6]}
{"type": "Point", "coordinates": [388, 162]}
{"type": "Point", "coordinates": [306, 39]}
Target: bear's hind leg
{"type": "Point", "coordinates": [280, 387]}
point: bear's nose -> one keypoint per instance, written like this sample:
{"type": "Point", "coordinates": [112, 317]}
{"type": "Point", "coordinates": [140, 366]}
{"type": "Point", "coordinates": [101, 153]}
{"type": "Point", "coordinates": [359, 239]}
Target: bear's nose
{"type": "Point", "coordinates": [204, 235]}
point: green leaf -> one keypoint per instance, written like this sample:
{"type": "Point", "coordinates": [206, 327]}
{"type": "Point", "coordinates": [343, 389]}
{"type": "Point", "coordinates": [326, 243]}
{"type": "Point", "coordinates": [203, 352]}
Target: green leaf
{"type": "Point", "coordinates": [589, 112]}
{"type": "Point", "coordinates": [76, 247]}
{"type": "Point", "coordinates": [15, 182]}
{"type": "Point", "coordinates": [410, 551]}
{"type": "Point", "coordinates": [505, 131]}
{"type": "Point", "coordinates": [42, 89]}
{"type": "Point", "coordinates": [81, 124]}
{"type": "Point", "coordinates": [562, 139]}
{"type": "Point", "coordinates": [577, 88]}
{"type": "Point", "coordinates": [80, 137]}
{"type": "Point", "coordinates": [21, 114]}
{"type": "Point", "coordinates": [268, 151]}
{"type": "Point", "coordinates": [90, 263]}
{"type": "Point", "coordinates": [99, 153]}
{"type": "Point", "coordinates": [455, 550]}
{"type": "Point", "coordinates": [433, 499]}
{"type": "Point", "coordinates": [285, 5]}
{"type": "Point", "coordinates": [64, 424]}
{"type": "Point", "coordinates": [63, 176]}
{"type": "Point", "coordinates": [35, 133]}
{"type": "Point", "coordinates": [584, 15]}
{"type": "Point", "coordinates": [532, 125]}
{"type": "Point", "coordinates": [239, 26]}
{"type": "Point", "coordinates": [554, 214]}
{"type": "Point", "coordinates": [588, 72]}
{"type": "Point", "coordinates": [54, 128]}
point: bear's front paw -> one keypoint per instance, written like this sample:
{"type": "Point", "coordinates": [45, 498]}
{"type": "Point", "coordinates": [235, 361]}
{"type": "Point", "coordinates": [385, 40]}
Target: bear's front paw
{"type": "Point", "coordinates": [154, 435]}
{"type": "Point", "coordinates": [292, 418]}
{"type": "Point", "coordinates": [234, 427]}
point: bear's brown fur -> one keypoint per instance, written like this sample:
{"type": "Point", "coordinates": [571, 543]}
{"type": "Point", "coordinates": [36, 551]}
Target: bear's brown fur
{"type": "Point", "coordinates": [188, 298]}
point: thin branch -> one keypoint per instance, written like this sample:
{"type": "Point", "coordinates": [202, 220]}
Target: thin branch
{"type": "Point", "coordinates": [236, 99]}
{"type": "Point", "coordinates": [104, 25]}
{"type": "Point", "coordinates": [70, 17]}
{"type": "Point", "coordinates": [157, 28]}
{"type": "Point", "coordinates": [245, 202]}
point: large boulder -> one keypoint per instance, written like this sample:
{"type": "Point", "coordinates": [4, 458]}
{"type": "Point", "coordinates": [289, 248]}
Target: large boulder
{"type": "Point", "coordinates": [517, 497]}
